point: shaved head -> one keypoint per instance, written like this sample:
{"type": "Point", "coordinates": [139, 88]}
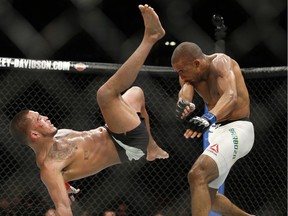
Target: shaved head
{"type": "Point", "coordinates": [186, 50]}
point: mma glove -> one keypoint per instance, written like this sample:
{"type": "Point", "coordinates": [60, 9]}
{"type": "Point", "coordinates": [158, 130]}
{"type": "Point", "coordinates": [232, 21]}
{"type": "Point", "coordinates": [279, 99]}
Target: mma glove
{"type": "Point", "coordinates": [71, 191]}
{"type": "Point", "coordinates": [180, 107]}
{"type": "Point", "coordinates": [201, 124]}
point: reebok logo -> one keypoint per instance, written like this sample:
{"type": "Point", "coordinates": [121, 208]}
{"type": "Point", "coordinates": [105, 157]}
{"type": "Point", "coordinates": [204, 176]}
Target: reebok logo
{"type": "Point", "coordinates": [214, 148]}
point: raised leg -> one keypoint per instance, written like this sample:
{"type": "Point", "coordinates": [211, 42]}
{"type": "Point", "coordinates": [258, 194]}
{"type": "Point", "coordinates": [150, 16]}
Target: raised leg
{"type": "Point", "coordinates": [118, 116]}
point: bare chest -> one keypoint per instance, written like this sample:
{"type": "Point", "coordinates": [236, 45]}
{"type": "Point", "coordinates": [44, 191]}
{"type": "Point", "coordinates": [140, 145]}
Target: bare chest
{"type": "Point", "coordinates": [63, 149]}
{"type": "Point", "coordinates": [208, 91]}
{"type": "Point", "coordinates": [78, 145]}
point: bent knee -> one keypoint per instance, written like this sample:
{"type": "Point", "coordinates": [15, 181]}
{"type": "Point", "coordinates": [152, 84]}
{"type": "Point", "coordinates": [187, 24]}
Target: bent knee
{"type": "Point", "coordinates": [197, 176]}
{"type": "Point", "coordinates": [135, 94]}
{"type": "Point", "coordinates": [137, 91]}
{"type": "Point", "coordinates": [105, 94]}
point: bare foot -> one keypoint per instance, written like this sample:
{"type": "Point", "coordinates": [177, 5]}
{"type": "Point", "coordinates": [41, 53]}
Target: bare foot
{"type": "Point", "coordinates": [153, 27]}
{"type": "Point", "coordinates": [155, 152]}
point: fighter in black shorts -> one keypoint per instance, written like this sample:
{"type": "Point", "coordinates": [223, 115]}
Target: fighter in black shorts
{"type": "Point", "coordinates": [64, 155]}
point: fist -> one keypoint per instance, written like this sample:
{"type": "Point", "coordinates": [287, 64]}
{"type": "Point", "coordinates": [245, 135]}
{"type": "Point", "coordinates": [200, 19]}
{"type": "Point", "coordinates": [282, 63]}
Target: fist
{"type": "Point", "coordinates": [198, 125]}
{"type": "Point", "coordinates": [183, 108]}
{"type": "Point", "coordinates": [72, 190]}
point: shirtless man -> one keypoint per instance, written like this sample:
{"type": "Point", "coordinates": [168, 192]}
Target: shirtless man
{"type": "Point", "coordinates": [218, 80]}
{"type": "Point", "coordinates": [64, 155]}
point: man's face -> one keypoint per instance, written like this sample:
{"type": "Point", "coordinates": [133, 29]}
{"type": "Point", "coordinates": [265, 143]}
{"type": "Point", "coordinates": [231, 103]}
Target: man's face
{"type": "Point", "coordinates": [41, 124]}
{"type": "Point", "coordinates": [187, 70]}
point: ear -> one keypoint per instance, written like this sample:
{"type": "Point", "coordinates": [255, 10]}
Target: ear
{"type": "Point", "coordinates": [197, 62]}
{"type": "Point", "coordinates": [34, 135]}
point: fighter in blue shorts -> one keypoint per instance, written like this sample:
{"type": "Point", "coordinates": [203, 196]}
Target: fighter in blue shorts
{"type": "Point", "coordinates": [228, 142]}
{"type": "Point", "coordinates": [217, 78]}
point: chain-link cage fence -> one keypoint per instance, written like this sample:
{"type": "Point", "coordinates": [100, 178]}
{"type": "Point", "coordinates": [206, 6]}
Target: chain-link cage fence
{"type": "Point", "coordinates": [257, 183]}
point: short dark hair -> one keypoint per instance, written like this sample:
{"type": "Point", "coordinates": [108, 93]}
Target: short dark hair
{"type": "Point", "coordinates": [19, 126]}
{"type": "Point", "coordinates": [186, 50]}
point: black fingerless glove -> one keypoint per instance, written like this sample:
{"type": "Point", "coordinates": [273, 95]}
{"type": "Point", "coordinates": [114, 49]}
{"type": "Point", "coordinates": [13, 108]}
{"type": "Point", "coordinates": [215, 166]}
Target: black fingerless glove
{"type": "Point", "coordinates": [201, 124]}
{"type": "Point", "coordinates": [180, 108]}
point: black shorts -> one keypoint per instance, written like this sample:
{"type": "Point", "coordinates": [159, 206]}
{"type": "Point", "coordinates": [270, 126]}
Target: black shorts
{"type": "Point", "coordinates": [131, 145]}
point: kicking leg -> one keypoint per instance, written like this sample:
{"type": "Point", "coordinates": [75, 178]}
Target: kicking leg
{"type": "Point", "coordinates": [135, 98]}
{"type": "Point", "coordinates": [118, 116]}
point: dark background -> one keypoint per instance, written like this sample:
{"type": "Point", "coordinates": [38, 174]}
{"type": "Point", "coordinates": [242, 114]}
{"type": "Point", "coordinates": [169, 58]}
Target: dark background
{"type": "Point", "coordinates": [109, 30]}
{"type": "Point", "coordinates": [256, 183]}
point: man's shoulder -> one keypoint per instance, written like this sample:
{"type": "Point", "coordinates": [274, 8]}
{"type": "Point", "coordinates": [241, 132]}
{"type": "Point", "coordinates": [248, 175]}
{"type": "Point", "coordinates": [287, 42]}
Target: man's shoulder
{"type": "Point", "coordinates": [220, 57]}
{"type": "Point", "coordinates": [221, 63]}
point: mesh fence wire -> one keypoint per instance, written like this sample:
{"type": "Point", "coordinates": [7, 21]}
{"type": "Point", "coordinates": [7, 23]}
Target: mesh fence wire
{"type": "Point", "coordinates": [257, 183]}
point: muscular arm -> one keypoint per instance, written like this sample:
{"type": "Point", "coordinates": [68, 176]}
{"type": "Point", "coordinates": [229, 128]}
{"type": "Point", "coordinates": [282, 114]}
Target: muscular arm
{"type": "Point", "coordinates": [226, 85]}
{"type": "Point", "coordinates": [184, 104]}
{"type": "Point", "coordinates": [53, 180]}
{"type": "Point", "coordinates": [187, 90]}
